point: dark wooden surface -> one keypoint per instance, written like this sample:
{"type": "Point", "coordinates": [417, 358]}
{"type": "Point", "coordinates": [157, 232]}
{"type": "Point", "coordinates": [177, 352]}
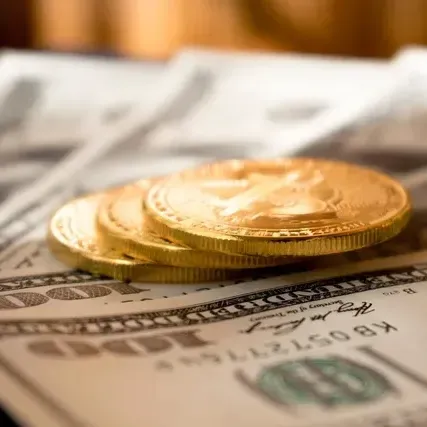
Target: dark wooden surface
{"type": "Point", "coordinates": [15, 23]}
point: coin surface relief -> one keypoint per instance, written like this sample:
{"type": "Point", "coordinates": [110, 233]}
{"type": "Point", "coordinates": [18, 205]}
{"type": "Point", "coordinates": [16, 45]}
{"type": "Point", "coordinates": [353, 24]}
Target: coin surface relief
{"type": "Point", "coordinates": [294, 206]}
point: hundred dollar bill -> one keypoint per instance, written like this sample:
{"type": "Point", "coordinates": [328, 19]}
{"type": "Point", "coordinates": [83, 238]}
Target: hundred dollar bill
{"type": "Point", "coordinates": [342, 346]}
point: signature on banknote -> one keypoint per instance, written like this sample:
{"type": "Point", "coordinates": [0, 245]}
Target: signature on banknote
{"type": "Point", "coordinates": [286, 327]}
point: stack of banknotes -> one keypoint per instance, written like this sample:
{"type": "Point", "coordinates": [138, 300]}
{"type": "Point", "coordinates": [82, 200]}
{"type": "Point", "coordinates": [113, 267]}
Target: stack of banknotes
{"type": "Point", "coordinates": [100, 157]}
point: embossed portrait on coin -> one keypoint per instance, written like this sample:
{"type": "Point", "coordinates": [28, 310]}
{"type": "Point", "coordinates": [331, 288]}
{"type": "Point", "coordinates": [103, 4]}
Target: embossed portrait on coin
{"type": "Point", "coordinates": [271, 200]}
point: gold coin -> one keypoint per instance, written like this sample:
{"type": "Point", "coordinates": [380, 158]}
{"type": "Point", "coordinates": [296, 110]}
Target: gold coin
{"type": "Point", "coordinates": [295, 206]}
{"type": "Point", "coordinates": [121, 223]}
{"type": "Point", "coordinates": [73, 239]}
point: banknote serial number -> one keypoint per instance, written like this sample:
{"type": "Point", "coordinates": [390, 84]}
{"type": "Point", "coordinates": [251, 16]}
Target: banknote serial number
{"type": "Point", "coordinates": [280, 347]}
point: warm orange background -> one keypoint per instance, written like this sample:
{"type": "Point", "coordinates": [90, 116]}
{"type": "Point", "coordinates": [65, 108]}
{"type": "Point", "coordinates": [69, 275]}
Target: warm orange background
{"type": "Point", "coordinates": [157, 28]}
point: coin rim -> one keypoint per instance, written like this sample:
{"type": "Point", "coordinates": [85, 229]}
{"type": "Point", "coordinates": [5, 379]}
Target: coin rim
{"type": "Point", "coordinates": [301, 248]}
{"type": "Point", "coordinates": [122, 269]}
{"type": "Point", "coordinates": [116, 234]}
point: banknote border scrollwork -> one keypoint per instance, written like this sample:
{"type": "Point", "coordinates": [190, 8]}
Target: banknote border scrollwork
{"type": "Point", "coordinates": [217, 310]}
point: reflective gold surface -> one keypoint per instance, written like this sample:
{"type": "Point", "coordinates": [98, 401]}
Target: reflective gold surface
{"type": "Point", "coordinates": [73, 239]}
{"type": "Point", "coordinates": [121, 224]}
{"type": "Point", "coordinates": [287, 206]}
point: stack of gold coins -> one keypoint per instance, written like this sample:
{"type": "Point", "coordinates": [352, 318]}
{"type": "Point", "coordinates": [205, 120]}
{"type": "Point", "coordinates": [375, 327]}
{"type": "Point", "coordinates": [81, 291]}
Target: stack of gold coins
{"type": "Point", "coordinates": [216, 221]}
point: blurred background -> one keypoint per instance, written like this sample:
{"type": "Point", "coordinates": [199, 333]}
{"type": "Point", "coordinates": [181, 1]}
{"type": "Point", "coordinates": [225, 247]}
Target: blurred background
{"type": "Point", "coordinates": [158, 28]}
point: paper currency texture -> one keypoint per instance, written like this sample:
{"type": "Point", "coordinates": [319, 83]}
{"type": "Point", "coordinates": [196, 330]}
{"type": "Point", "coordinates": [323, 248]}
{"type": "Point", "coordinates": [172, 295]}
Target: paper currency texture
{"type": "Point", "coordinates": [321, 349]}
